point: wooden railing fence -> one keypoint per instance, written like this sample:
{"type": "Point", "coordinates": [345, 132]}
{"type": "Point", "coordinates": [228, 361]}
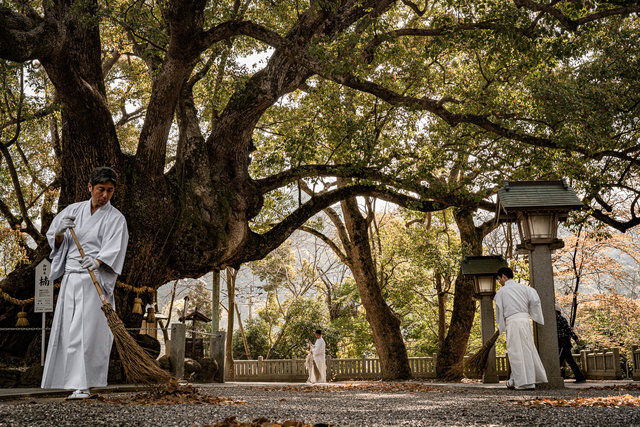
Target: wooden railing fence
{"type": "Point", "coordinates": [596, 365]}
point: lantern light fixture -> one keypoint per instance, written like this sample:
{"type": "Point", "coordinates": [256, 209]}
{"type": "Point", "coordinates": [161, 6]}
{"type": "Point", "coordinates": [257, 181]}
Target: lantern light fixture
{"type": "Point", "coordinates": [537, 207]}
{"type": "Point", "coordinates": [483, 270]}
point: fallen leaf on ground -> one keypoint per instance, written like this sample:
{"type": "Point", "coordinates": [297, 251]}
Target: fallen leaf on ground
{"type": "Point", "coordinates": [368, 387]}
{"type": "Point", "coordinates": [617, 401]}
{"type": "Point", "coordinates": [260, 422]}
{"type": "Point", "coordinates": [630, 387]}
{"type": "Point", "coordinates": [173, 394]}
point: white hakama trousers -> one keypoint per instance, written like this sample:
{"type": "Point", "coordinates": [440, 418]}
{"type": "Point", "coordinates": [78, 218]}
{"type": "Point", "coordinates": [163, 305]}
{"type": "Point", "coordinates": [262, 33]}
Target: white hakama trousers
{"type": "Point", "coordinates": [80, 340]}
{"type": "Point", "coordinates": [317, 371]}
{"type": "Point", "coordinates": [322, 367]}
{"type": "Point", "coordinates": [311, 369]}
{"type": "Point", "coordinates": [526, 366]}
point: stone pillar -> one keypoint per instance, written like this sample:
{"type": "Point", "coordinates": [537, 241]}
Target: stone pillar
{"type": "Point", "coordinates": [217, 343]}
{"type": "Point", "coordinates": [215, 302]}
{"type": "Point", "coordinates": [546, 336]}
{"type": "Point", "coordinates": [617, 369]}
{"type": "Point", "coordinates": [178, 333]}
{"type": "Point", "coordinates": [487, 318]}
{"type": "Point", "coordinates": [260, 366]}
{"type": "Point", "coordinates": [585, 365]}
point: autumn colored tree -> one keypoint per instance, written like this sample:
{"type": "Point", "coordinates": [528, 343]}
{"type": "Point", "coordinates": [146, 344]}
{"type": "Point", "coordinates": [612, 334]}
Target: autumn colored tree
{"type": "Point", "coordinates": [609, 320]}
{"type": "Point", "coordinates": [596, 258]}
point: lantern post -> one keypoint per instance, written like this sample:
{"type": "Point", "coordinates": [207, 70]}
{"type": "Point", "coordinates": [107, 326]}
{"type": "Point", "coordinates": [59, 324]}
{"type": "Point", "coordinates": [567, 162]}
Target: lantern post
{"type": "Point", "coordinates": [537, 207]}
{"type": "Point", "coordinates": [483, 270]}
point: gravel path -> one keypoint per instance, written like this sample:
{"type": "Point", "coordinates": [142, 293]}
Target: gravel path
{"type": "Point", "coordinates": [363, 405]}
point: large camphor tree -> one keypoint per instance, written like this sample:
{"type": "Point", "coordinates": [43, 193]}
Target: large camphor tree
{"type": "Point", "coordinates": [183, 145]}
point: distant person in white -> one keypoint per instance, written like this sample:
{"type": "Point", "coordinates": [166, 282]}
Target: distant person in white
{"type": "Point", "coordinates": [80, 340]}
{"type": "Point", "coordinates": [515, 302]}
{"type": "Point", "coordinates": [316, 364]}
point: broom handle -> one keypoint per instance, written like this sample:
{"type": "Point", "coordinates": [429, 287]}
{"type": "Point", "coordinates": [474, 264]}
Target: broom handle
{"type": "Point", "coordinates": [91, 273]}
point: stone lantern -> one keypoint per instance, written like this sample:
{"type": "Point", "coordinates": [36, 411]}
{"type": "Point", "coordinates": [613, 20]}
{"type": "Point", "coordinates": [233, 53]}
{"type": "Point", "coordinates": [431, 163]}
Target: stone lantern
{"type": "Point", "coordinates": [537, 207]}
{"type": "Point", "coordinates": [483, 270]}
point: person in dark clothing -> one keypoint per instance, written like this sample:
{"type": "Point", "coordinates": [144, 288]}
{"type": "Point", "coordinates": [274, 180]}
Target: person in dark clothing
{"type": "Point", "coordinates": [565, 333]}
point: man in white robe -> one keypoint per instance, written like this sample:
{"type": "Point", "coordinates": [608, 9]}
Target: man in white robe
{"type": "Point", "coordinates": [515, 302]}
{"type": "Point", "coordinates": [317, 373]}
{"type": "Point", "coordinates": [80, 340]}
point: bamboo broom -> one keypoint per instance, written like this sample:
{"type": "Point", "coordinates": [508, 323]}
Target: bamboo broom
{"type": "Point", "coordinates": [139, 367]}
{"type": "Point", "coordinates": [477, 363]}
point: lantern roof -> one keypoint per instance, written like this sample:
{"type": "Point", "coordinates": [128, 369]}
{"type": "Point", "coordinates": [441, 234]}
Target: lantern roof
{"type": "Point", "coordinates": [482, 265]}
{"type": "Point", "coordinates": [197, 316]}
{"type": "Point", "coordinates": [535, 196]}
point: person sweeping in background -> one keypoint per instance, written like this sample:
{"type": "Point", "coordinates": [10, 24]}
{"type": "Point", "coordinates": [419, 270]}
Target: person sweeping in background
{"type": "Point", "coordinates": [81, 340]}
{"type": "Point", "coordinates": [515, 302]}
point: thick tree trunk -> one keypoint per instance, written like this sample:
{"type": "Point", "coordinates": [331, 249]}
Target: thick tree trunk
{"type": "Point", "coordinates": [394, 362]}
{"type": "Point", "coordinates": [449, 364]}
{"type": "Point", "coordinates": [195, 217]}
{"type": "Point", "coordinates": [88, 133]}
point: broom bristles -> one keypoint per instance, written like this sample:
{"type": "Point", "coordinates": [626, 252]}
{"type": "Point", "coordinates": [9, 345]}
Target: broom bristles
{"type": "Point", "coordinates": [477, 363]}
{"type": "Point", "coordinates": [139, 367]}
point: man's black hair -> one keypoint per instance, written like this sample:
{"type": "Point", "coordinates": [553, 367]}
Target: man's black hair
{"type": "Point", "coordinates": [506, 271]}
{"type": "Point", "coordinates": [101, 175]}
{"type": "Point", "coordinates": [318, 331]}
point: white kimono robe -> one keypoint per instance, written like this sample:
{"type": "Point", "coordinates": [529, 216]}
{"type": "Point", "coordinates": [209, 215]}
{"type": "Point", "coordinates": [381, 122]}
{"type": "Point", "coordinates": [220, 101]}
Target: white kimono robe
{"type": "Point", "coordinates": [80, 340]}
{"type": "Point", "coordinates": [515, 302]}
{"type": "Point", "coordinates": [318, 356]}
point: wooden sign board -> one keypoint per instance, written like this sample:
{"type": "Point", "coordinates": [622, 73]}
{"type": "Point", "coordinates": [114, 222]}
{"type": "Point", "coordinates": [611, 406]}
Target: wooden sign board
{"type": "Point", "coordinates": [44, 288]}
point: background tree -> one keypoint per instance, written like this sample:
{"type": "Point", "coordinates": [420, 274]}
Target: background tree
{"type": "Point", "coordinates": [607, 320]}
{"type": "Point", "coordinates": [596, 258]}
{"type": "Point", "coordinates": [425, 253]}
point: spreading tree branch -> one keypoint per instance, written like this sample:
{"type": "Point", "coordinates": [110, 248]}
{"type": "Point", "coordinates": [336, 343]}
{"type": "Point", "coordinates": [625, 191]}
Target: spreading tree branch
{"type": "Point", "coordinates": [343, 257]}
{"type": "Point", "coordinates": [24, 37]}
{"type": "Point", "coordinates": [437, 107]}
{"type": "Point", "coordinates": [573, 24]}
{"type": "Point", "coordinates": [258, 246]}
{"type": "Point", "coordinates": [622, 226]}
{"type": "Point", "coordinates": [443, 195]}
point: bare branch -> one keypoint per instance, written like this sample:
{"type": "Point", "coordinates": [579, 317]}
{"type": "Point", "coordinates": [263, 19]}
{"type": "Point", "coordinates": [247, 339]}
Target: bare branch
{"type": "Point", "coordinates": [257, 246]}
{"type": "Point", "coordinates": [110, 62]}
{"type": "Point", "coordinates": [343, 257]}
{"type": "Point", "coordinates": [11, 218]}
{"type": "Point", "coordinates": [335, 218]}
{"type": "Point", "coordinates": [622, 226]}
{"type": "Point", "coordinates": [230, 29]}
{"type": "Point", "coordinates": [472, 201]}
{"type": "Point", "coordinates": [30, 116]}
{"type": "Point", "coordinates": [281, 179]}
{"type": "Point", "coordinates": [416, 8]}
